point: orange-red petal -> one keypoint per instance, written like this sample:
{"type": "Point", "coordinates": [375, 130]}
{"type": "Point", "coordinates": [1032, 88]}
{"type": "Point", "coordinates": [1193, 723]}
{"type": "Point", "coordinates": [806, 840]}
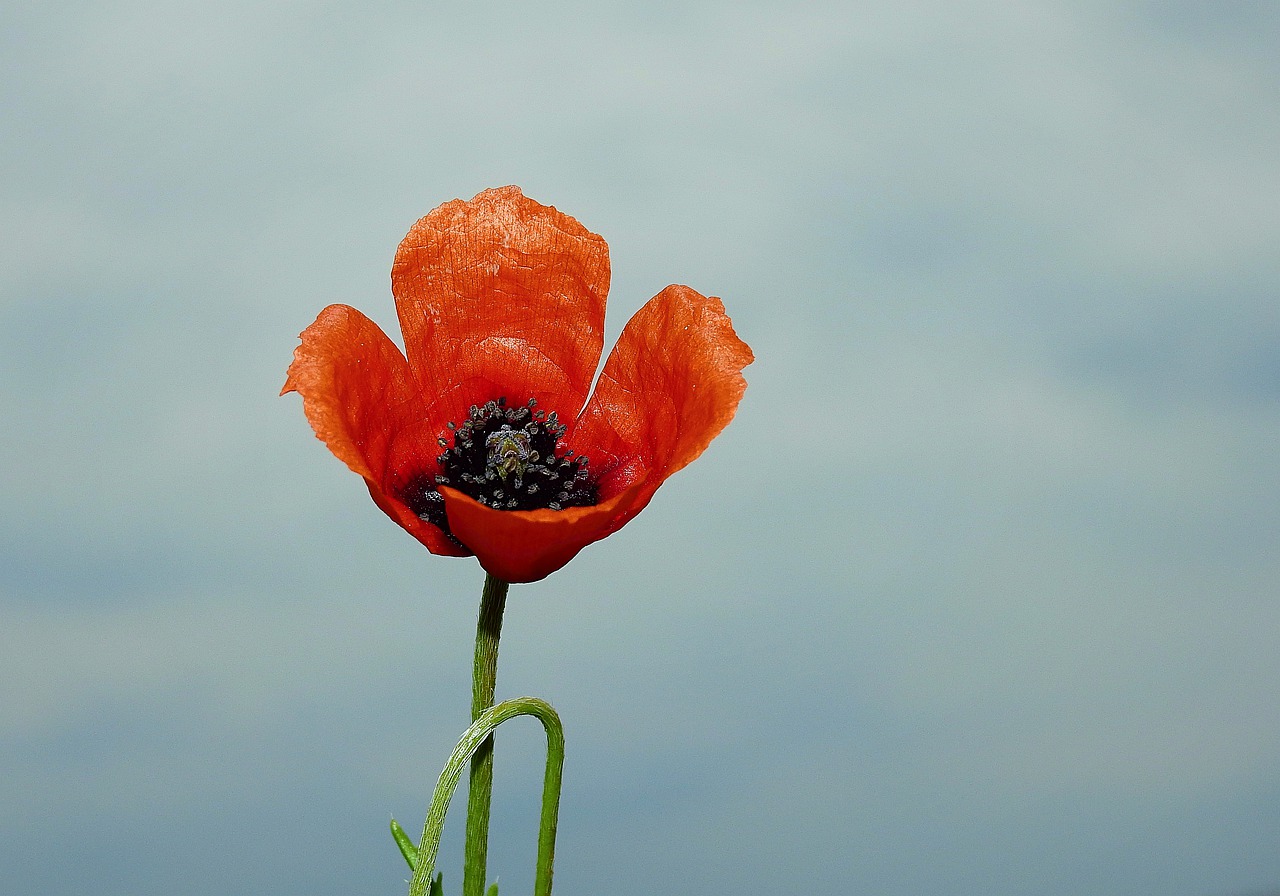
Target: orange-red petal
{"type": "Point", "coordinates": [363, 402]}
{"type": "Point", "coordinates": [670, 385]}
{"type": "Point", "coordinates": [528, 545]}
{"type": "Point", "coordinates": [502, 296]}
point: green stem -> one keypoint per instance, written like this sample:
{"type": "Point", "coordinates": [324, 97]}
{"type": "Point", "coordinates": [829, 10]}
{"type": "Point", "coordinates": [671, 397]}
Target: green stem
{"type": "Point", "coordinates": [480, 789]}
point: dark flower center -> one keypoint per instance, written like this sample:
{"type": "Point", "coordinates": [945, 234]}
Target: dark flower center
{"type": "Point", "coordinates": [507, 458]}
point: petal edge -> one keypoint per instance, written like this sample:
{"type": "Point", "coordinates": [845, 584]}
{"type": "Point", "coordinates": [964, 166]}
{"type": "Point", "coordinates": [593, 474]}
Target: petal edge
{"type": "Point", "coordinates": [501, 289]}
{"type": "Point", "coordinates": [671, 385]}
{"type": "Point", "coordinates": [363, 403]}
{"type": "Point", "coordinates": [529, 545]}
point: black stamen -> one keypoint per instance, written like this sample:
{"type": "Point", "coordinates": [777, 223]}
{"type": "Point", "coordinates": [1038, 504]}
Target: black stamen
{"type": "Point", "coordinates": [505, 458]}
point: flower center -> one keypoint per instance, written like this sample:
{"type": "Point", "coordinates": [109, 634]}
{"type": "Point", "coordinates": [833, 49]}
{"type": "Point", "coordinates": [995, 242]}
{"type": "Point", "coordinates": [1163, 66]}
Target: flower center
{"type": "Point", "coordinates": [510, 452]}
{"type": "Point", "coordinates": [506, 458]}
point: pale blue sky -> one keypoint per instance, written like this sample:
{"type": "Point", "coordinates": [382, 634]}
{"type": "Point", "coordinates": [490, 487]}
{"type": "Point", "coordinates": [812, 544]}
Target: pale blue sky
{"type": "Point", "coordinates": [977, 594]}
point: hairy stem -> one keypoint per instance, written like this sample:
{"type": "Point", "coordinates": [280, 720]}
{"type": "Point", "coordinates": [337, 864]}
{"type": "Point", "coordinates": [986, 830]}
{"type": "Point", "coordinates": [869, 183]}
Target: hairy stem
{"type": "Point", "coordinates": [422, 858]}
{"type": "Point", "coordinates": [480, 789]}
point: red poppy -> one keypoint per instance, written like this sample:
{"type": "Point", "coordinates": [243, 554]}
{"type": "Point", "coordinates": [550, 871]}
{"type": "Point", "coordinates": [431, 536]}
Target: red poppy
{"type": "Point", "coordinates": [482, 440]}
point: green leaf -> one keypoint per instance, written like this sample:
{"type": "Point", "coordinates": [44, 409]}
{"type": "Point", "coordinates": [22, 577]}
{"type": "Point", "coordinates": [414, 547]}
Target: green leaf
{"type": "Point", "coordinates": [493, 889]}
{"type": "Point", "coordinates": [437, 888]}
{"type": "Point", "coordinates": [407, 849]}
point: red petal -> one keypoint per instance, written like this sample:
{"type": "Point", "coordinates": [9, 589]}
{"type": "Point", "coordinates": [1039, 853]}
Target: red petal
{"type": "Point", "coordinates": [671, 384]}
{"type": "Point", "coordinates": [363, 403]}
{"type": "Point", "coordinates": [528, 545]}
{"type": "Point", "coordinates": [501, 296]}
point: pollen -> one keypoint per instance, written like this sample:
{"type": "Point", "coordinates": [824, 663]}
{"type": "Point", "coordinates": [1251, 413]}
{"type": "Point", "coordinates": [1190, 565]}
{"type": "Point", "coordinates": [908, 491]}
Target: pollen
{"type": "Point", "coordinates": [507, 458]}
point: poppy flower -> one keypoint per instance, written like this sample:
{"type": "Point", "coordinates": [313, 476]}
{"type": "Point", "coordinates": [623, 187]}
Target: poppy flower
{"type": "Point", "coordinates": [480, 438]}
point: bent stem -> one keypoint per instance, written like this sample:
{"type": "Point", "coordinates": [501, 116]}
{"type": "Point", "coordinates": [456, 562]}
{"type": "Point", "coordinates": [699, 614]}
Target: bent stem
{"type": "Point", "coordinates": [480, 788]}
{"type": "Point", "coordinates": [422, 857]}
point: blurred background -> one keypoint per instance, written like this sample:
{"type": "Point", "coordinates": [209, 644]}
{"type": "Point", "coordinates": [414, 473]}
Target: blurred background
{"type": "Point", "coordinates": [976, 595]}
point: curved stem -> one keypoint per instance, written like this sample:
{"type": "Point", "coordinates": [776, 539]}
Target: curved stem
{"type": "Point", "coordinates": [472, 740]}
{"type": "Point", "coordinates": [480, 789]}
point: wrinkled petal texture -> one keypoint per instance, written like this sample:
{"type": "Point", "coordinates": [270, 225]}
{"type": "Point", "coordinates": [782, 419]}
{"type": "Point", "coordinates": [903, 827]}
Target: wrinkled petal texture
{"type": "Point", "coordinates": [671, 384]}
{"type": "Point", "coordinates": [669, 387]}
{"type": "Point", "coordinates": [501, 296]}
{"type": "Point", "coordinates": [362, 401]}
{"type": "Point", "coordinates": [528, 545]}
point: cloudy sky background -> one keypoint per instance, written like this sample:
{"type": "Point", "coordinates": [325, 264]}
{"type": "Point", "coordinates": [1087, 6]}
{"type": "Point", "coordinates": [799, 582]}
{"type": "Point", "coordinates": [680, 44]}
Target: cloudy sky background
{"type": "Point", "coordinates": [976, 595]}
